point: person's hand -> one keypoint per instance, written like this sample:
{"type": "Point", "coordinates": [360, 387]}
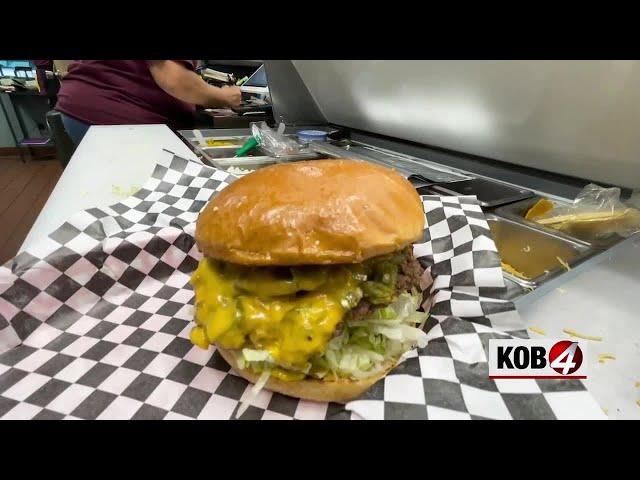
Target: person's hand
{"type": "Point", "coordinates": [231, 96]}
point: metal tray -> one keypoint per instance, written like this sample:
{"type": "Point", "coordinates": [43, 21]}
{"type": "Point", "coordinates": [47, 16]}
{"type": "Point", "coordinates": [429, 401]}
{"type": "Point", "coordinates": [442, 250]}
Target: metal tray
{"type": "Point", "coordinates": [518, 210]}
{"type": "Point", "coordinates": [489, 193]}
{"type": "Point", "coordinates": [511, 291]}
{"type": "Point", "coordinates": [223, 157]}
{"type": "Point", "coordinates": [406, 165]}
{"type": "Point", "coordinates": [420, 172]}
{"type": "Point", "coordinates": [534, 252]}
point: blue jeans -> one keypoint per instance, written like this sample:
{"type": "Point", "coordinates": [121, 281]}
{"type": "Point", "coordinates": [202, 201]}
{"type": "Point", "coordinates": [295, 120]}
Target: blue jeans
{"type": "Point", "coordinates": [74, 127]}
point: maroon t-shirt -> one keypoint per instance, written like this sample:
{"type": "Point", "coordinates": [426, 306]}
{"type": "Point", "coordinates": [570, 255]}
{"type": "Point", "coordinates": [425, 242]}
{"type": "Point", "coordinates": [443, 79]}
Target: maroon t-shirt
{"type": "Point", "coordinates": [44, 64]}
{"type": "Point", "coordinates": [121, 92]}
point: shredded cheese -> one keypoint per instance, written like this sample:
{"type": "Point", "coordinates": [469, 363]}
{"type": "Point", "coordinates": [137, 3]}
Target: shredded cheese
{"type": "Point", "coordinates": [526, 249]}
{"type": "Point", "coordinates": [573, 333]}
{"type": "Point", "coordinates": [564, 264]}
{"type": "Point", "coordinates": [537, 330]}
{"type": "Point", "coordinates": [510, 269]}
{"type": "Point", "coordinates": [585, 217]}
{"type": "Point", "coordinates": [605, 356]}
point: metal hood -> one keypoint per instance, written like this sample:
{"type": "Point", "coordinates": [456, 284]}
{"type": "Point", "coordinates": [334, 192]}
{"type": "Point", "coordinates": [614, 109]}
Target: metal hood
{"type": "Point", "coordinates": [576, 118]}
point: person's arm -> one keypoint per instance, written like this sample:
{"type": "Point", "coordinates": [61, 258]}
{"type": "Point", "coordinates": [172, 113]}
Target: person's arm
{"type": "Point", "coordinates": [186, 85]}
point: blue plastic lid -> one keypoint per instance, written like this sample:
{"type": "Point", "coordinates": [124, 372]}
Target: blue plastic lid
{"type": "Point", "coordinates": [310, 135]}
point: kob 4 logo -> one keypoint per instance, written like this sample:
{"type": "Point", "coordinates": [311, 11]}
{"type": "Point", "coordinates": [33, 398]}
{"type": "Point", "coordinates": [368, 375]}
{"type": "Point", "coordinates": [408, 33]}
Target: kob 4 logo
{"type": "Point", "coordinates": [515, 358]}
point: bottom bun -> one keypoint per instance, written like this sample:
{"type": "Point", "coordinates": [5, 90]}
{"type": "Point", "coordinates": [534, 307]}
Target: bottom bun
{"type": "Point", "coordinates": [340, 391]}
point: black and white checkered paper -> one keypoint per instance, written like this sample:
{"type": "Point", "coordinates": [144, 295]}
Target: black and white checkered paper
{"type": "Point", "coordinates": [95, 321]}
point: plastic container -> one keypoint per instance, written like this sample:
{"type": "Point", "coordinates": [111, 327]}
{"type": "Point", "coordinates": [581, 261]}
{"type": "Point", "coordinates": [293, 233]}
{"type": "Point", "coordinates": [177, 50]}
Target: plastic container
{"type": "Point", "coordinates": [307, 136]}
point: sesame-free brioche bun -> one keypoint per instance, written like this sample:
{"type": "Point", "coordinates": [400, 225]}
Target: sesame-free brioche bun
{"type": "Point", "coordinates": [311, 212]}
{"type": "Point", "coordinates": [339, 391]}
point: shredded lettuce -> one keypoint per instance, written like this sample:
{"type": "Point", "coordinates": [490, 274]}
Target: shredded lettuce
{"type": "Point", "coordinates": [364, 347]}
{"type": "Point", "coordinates": [253, 393]}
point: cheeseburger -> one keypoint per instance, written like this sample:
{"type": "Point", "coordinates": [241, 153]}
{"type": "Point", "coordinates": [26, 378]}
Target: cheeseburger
{"type": "Point", "coordinates": [308, 285]}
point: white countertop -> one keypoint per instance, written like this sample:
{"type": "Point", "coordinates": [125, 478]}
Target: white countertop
{"type": "Point", "coordinates": [109, 162]}
{"type": "Point", "coordinates": [603, 300]}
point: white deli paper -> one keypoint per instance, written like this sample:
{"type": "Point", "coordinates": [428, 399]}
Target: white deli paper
{"type": "Point", "coordinates": [95, 321]}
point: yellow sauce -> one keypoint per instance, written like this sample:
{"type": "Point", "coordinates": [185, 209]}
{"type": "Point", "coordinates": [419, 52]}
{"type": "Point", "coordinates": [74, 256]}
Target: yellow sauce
{"type": "Point", "coordinates": [223, 143]}
{"type": "Point", "coordinates": [508, 268]}
{"type": "Point", "coordinates": [528, 253]}
{"type": "Point", "coordinates": [257, 308]}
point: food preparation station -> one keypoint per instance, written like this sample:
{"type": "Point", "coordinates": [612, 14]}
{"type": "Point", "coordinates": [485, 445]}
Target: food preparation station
{"type": "Point", "coordinates": [584, 284]}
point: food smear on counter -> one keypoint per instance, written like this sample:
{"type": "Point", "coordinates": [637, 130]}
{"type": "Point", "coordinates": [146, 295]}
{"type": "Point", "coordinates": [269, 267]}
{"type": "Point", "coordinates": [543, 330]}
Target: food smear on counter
{"type": "Point", "coordinates": [573, 333]}
{"type": "Point", "coordinates": [122, 193]}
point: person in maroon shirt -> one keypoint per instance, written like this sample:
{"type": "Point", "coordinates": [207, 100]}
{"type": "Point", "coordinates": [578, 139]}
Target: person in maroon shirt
{"type": "Point", "coordinates": [133, 92]}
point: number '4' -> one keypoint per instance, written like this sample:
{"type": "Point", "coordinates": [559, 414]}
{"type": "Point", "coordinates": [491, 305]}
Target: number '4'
{"type": "Point", "coordinates": [565, 359]}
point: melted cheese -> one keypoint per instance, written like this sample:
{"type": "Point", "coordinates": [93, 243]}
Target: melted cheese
{"type": "Point", "coordinates": [258, 308]}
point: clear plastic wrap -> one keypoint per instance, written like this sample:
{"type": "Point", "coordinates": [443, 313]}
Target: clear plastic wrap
{"type": "Point", "coordinates": [634, 199]}
{"type": "Point", "coordinates": [596, 212]}
{"type": "Point", "coordinates": [273, 142]}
